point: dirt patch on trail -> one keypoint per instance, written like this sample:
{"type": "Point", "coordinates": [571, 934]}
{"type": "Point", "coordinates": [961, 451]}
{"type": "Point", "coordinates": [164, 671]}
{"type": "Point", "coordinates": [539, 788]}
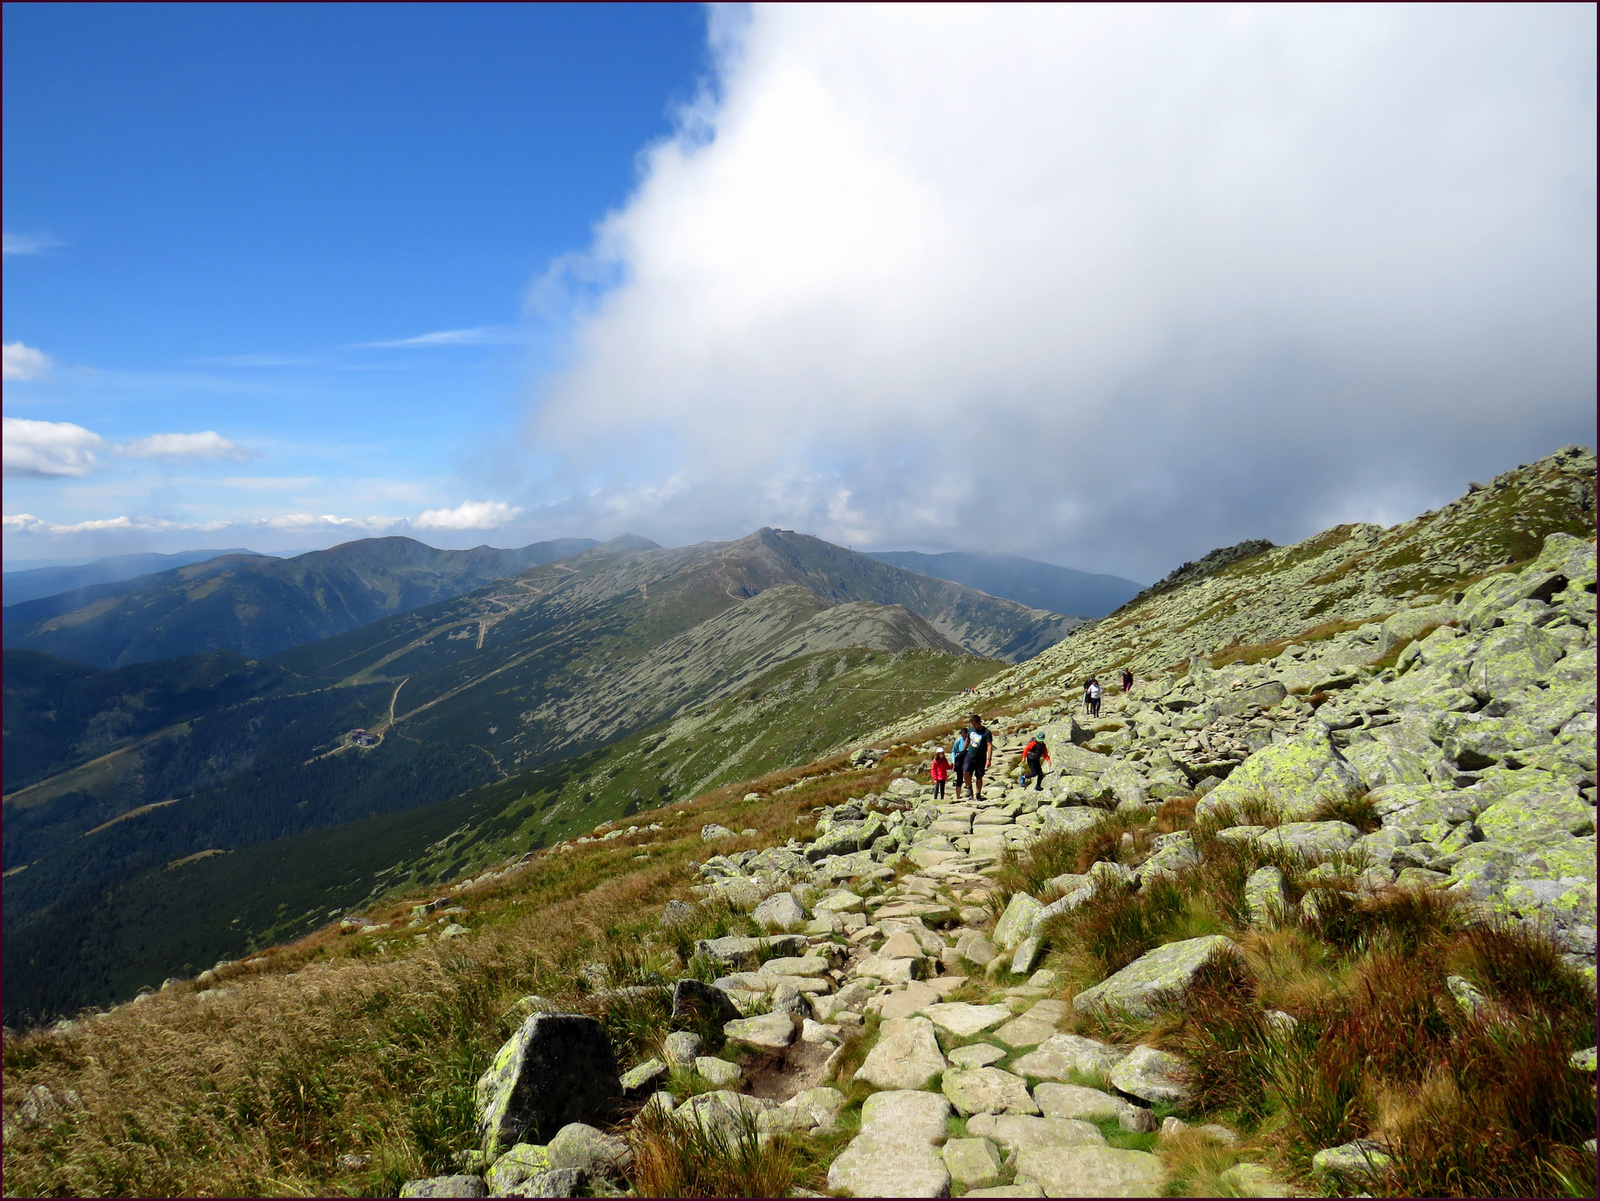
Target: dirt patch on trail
{"type": "Point", "coordinates": [779, 1077]}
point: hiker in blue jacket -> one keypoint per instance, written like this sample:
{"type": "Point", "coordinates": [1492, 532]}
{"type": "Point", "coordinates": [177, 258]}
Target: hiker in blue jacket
{"type": "Point", "coordinates": [958, 760]}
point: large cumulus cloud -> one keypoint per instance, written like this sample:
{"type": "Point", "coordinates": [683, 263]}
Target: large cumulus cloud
{"type": "Point", "coordinates": [1104, 284]}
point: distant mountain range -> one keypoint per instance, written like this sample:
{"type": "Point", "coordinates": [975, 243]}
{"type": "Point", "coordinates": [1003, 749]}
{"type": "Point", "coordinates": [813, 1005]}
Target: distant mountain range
{"type": "Point", "coordinates": [257, 605]}
{"type": "Point", "coordinates": [1026, 581]}
{"type": "Point", "coordinates": [31, 579]}
{"type": "Point", "coordinates": [129, 770]}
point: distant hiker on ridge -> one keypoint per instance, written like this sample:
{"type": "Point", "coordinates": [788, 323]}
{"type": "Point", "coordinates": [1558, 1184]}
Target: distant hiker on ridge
{"type": "Point", "coordinates": [939, 770]}
{"type": "Point", "coordinates": [980, 751]}
{"type": "Point", "coordinates": [1034, 757]}
{"type": "Point", "coordinates": [1127, 681]}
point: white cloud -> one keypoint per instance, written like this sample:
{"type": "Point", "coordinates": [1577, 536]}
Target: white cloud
{"type": "Point", "coordinates": [28, 243]}
{"type": "Point", "coordinates": [483, 335]}
{"type": "Point", "coordinates": [42, 449]}
{"type": "Point", "coordinates": [1108, 284]}
{"type": "Point", "coordinates": [205, 445]}
{"type": "Point", "coordinates": [473, 515]}
{"type": "Point", "coordinates": [22, 362]}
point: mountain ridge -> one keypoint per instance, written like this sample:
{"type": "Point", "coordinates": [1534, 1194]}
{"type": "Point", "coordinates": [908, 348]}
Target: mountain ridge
{"type": "Point", "coordinates": [258, 605]}
{"type": "Point", "coordinates": [1026, 581]}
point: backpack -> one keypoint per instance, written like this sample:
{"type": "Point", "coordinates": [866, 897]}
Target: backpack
{"type": "Point", "coordinates": [1034, 751]}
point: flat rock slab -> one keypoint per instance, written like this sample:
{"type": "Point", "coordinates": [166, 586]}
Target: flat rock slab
{"type": "Point", "coordinates": [1025, 1032]}
{"type": "Point", "coordinates": [1311, 840]}
{"type": "Point", "coordinates": [1020, 1189]}
{"type": "Point", "coordinates": [445, 1186]}
{"type": "Point", "coordinates": [909, 1001]}
{"type": "Point", "coordinates": [922, 909]}
{"type": "Point", "coordinates": [1090, 1104]}
{"type": "Point", "coordinates": [987, 1090]}
{"type": "Point", "coordinates": [1061, 1054]}
{"type": "Point", "coordinates": [1015, 1131]}
{"type": "Point", "coordinates": [907, 1056]}
{"type": "Point", "coordinates": [1016, 923]}
{"type": "Point", "coordinates": [768, 1032]}
{"type": "Point", "coordinates": [1152, 1075]}
{"type": "Point", "coordinates": [976, 1055]}
{"type": "Point", "coordinates": [743, 953]}
{"type": "Point", "coordinates": [894, 1155]}
{"type": "Point", "coordinates": [1154, 980]}
{"type": "Point", "coordinates": [972, 1162]}
{"type": "Point", "coordinates": [1091, 1171]}
{"type": "Point", "coordinates": [796, 965]}
{"type": "Point", "coordinates": [966, 1020]}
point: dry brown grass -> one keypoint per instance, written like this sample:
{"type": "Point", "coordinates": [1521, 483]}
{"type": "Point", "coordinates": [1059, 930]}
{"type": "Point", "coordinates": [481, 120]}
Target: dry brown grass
{"type": "Point", "coordinates": [327, 1046]}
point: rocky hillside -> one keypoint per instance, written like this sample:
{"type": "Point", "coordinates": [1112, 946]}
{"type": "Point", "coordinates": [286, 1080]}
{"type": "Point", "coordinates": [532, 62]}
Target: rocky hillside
{"type": "Point", "coordinates": [1027, 581]}
{"type": "Point", "coordinates": [1313, 913]}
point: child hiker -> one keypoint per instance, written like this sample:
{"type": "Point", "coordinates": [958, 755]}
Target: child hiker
{"type": "Point", "coordinates": [940, 771]}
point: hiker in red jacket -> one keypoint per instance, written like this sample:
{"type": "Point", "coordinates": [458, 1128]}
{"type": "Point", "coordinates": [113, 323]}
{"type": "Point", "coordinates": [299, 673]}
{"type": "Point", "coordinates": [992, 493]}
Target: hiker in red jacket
{"type": "Point", "coordinates": [939, 769]}
{"type": "Point", "coordinates": [1034, 756]}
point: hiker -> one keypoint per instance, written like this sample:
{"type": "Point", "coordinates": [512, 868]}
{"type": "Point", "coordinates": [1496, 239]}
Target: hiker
{"type": "Point", "coordinates": [1034, 757]}
{"type": "Point", "coordinates": [1094, 697]}
{"type": "Point", "coordinates": [980, 751]}
{"type": "Point", "coordinates": [1127, 681]}
{"type": "Point", "coordinates": [1087, 686]}
{"type": "Point", "coordinates": [939, 770]}
{"type": "Point", "coordinates": [958, 759]}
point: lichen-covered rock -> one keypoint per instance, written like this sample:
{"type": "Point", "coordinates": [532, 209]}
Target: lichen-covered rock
{"type": "Point", "coordinates": [640, 1080]}
{"type": "Point", "coordinates": [972, 1162]}
{"type": "Point", "coordinates": [1295, 777]}
{"type": "Point", "coordinates": [593, 1152]}
{"type": "Point", "coordinates": [681, 1047]}
{"type": "Point", "coordinates": [515, 1167]}
{"type": "Point", "coordinates": [1255, 1180]}
{"type": "Point", "coordinates": [1527, 821]}
{"type": "Point", "coordinates": [894, 1155]}
{"type": "Point", "coordinates": [1350, 1163]}
{"type": "Point", "coordinates": [1016, 1131]}
{"type": "Point", "coordinates": [780, 912]}
{"type": "Point", "coordinates": [1090, 1104]}
{"type": "Point", "coordinates": [1017, 921]}
{"type": "Point", "coordinates": [445, 1186]}
{"type": "Point", "coordinates": [1155, 979]}
{"type": "Point", "coordinates": [907, 1056]}
{"type": "Point", "coordinates": [1264, 899]}
{"type": "Point", "coordinates": [966, 1020]}
{"type": "Point", "coordinates": [987, 1090]}
{"type": "Point", "coordinates": [1063, 1054]}
{"type": "Point", "coordinates": [1311, 840]}
{"type": "Point", "coordinates": [744, 954]}
{"type": "Point", "coordinates": [558, 1068]}
{"type": "Point", "coordinates": [765, 1032]}
{"type": "Point", "coordinates": [1091, 1171]}
{"type": "Point", "coordinates": [1158, 1077]}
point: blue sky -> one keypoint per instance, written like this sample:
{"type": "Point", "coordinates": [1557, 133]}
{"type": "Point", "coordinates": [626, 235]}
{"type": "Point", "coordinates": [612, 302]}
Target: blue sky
{"type": "Point", "coordinates": [233, 208]}
{"type": "Point", "coordinates": [1105, 285]}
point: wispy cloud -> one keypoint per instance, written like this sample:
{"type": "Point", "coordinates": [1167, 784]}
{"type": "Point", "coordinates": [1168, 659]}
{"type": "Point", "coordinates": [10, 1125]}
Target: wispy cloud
{"type": "Point", "coordinates": [207, 444]}
{"type": "Point", "coordinates": [23, 362]}
{"type": "Point", "coordinates": [29, 243]}
{"type": "Point", "coordinates": [483, 335]}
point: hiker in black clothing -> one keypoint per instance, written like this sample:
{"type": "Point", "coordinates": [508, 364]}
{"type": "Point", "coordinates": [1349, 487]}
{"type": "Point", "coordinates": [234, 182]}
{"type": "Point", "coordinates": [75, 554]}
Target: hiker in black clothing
{"type": "Point", "coordinates": [980, 751]}
{"type": "Point", "coordinates": [1127, 681]}
{"type": "Point", "coordinates": [1034, 756]}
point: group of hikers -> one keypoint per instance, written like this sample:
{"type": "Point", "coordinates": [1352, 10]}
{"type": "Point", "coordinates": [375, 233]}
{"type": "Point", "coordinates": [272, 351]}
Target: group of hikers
{"type": "Point", "coordinates": [971, 755]}
{"type": "Point", "coordinates": [972, 750]}
{"type": "Point", "coordinates": [1092, 692]}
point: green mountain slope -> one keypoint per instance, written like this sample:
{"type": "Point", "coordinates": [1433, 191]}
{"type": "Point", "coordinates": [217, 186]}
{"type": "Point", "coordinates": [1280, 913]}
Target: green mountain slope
{"type": "Point", "coordinates": [96, 947]}
{"type": "Point", "coordinates": [258, 606]}
{"type": "Point", "coordinates": [1026, 581]}
{"type": "Point", "coordinates": [545, 665]}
